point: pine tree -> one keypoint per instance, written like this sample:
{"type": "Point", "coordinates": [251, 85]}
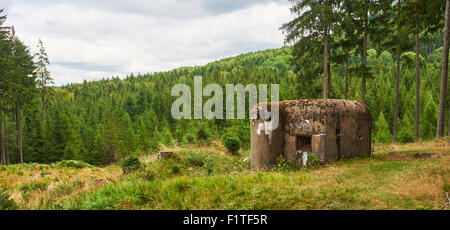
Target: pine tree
{"type": "Point", "coordinates": [5, 53]}
{"type": "Point", "coordinates": [23, 84]}
{"type": "Point", "coordinates": [43, 78]}
{"type": "Point", "coordinates": [382, 133]}
{"type": "Point", "coordinates": [312, 25]}
{"type": "Point", "coordinates": [405, 133]}
{"type": "Point", "coordinates": [429, 118]}
{"type": "Point", "coordinates": [398, 41]}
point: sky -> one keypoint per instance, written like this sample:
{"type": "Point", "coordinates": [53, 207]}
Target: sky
{"type": "Point", "coordinates": [91, 40]}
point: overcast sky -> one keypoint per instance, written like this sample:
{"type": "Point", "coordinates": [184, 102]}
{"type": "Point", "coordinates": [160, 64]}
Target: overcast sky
{"type": "Point", "coordinates": [91, 40]}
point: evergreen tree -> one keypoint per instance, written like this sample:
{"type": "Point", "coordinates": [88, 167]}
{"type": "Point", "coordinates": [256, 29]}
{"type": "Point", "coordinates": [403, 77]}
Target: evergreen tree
{"type": "Point", "coordinates": [405, 133]}
{"type": "Point", "coordinates": [382, 133]}
{"type": "Point", "coordinates": [43, 78]}
{"type": "Point", "coordinates": [429, 118]}
{"type": "Point", "coordinates": [23, 85]}
{"type": "Point", "coordinates": [312, 25]}
{"type": "Point", "coordinates": [5, 81]}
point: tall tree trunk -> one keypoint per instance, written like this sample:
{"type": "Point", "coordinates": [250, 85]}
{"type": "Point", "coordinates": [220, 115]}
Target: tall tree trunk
{"type": "Point", "coordinates": [366, 24]}
{"type": "Point", "coordinates": [44, 109]}
{"type": "Point", "coordinates": [6, 147]}
{"type": "Point", "coordinates": [416, 132]}
{"type": "Point", "coordinates": [346, 77]}
{"type": "Point", "coordinates": [329, 78]}
{"type": "Point", "coordinates": [17, 124]}
{"type": "Point", "coordinates": [397, 95]}
{"type": "Point", "coordinates": [325, 62]}
{"type": "Point", "coordinates": [444, 76]}
{"type": "Point", "coordinates": [2, 141]}
{"type": "Point", "coordinates": [19, 132]}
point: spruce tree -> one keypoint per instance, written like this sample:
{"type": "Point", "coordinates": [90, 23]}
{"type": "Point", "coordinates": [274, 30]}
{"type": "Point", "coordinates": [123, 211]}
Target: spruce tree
{"type": "Point", "coordinates": [43, 78]}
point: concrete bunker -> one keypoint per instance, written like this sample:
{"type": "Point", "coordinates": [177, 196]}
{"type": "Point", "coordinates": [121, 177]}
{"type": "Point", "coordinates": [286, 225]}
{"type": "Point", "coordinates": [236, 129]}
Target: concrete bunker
{"type": "Point", "coordinates": [331, 129]}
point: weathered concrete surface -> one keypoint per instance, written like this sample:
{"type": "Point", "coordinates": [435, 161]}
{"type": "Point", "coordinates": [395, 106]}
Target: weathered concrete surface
{"type": "Point", "coordinates": [337, 129]}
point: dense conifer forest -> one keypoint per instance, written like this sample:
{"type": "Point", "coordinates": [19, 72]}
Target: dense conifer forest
{"type": "Point", "coordinates": [101, 121]}
{"type": "Point", "coordinates": [113, 143]}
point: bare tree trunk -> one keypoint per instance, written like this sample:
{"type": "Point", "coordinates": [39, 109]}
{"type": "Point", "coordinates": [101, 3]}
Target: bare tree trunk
{"type": "Point", "coordinates": [346, 78]}
{"type": "Point", "coordinates": [6, 147]}
{"type": "Point", "coordinates": [19, 132]}
{"type": "Point", "coordinates": [416, 132]}
{"type": "Point", "coordinates": [2, 141]}
{"type": "Point", "coordinates": [325, 63]}
{"type": "Point", "coordinates": [397, 95]}
{"type": "Point", "coordinates": [329, 79]}
{"type": "Point", "coordinates": [444, 76]}
{"type": "Point", "coordinates": [17, 124]}
{"type": "Point", "coordinates": [44, 109]}
{"type": "Point", "coordinates": [366, 22]}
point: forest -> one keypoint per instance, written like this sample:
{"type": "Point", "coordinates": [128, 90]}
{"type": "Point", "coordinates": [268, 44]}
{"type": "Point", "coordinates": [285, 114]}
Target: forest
{"type": "Point", "coordinates": [391, 55]}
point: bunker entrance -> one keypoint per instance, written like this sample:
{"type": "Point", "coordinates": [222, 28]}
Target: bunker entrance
{"type": "Point", "coordinates": [303, 143]}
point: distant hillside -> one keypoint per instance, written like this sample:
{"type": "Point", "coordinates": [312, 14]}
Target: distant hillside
{"type": "Point", "coordinates": [101, 121]}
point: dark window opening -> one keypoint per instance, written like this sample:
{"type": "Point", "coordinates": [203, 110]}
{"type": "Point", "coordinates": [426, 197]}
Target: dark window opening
{"type": "Point", "coordinates": [303, 143]}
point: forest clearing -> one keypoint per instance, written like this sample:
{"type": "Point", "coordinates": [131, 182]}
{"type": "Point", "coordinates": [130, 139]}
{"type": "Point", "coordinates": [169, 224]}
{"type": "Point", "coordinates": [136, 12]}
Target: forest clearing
{"type": "Point", "coordinates": [407, 176]}
{"type": "Point", "coordinates": [225, 105]}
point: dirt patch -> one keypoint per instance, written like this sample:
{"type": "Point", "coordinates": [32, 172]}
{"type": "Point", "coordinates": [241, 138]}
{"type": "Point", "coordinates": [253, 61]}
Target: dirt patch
{"type": "Point", "coordinates": [409, 156]}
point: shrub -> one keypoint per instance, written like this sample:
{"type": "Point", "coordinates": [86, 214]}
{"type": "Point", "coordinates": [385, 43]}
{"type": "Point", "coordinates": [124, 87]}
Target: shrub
{"type": "Point", "coordinates": [73, 164]}
{"type": "Point", "coordinates": [284, 165]}
{"type": "Point", "coordinates": [175, 169]}
{"type": "Point", "coordinates": [195, 159]}
{"type": "Point", "coordinates": [33, 186]}
{"type": "Point", "coordinates": [281, 163]}
{"type": "Point", "coordinates": [190, 138]}
{"type": "Point", "coordinates": [202, 133]}
{"type": "Point", "coordinates": [64, 189]}
{"type": "Point", "coordinates": [129, 164]}
{"type": "Point", "coordinates": [313, 159]}
{"type": "Point", "coordinates": [429, 119]}
{"type": "Point", "coordinates": [232, 144]}
{"type": "Point", "coordinates": [406, 130]}
{"type": "Point", "coordinates": [148, 174]}
{"type": "Point", "coordinates": [209, 167]}
{"type": "Point", "coordinates": [6, 203]}
{"type": "Point", "coordinates": [382, 132]}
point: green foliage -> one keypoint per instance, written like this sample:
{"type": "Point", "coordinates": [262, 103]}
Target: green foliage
{"type": "Point", "coordinates": [313, 160]}
{"type": "Point", "coordinates": [129, 164]}
{"type": "Point", "coordinates": [202, 134]}
{"type": "Point", "coordinates": [406, 130]}
{"type": "Point", "coordinates": [6, 203]}
{"type": "Point", "coordinates": [33, 186]}
{"type": "Point", "coordinates": [195, 159]}
{"type": "Point", "coordinates": [209, 167]}
{"type": "Point", "coordinates": [285, 165]}
{"type": "Point", "coordinates": [73, 164]}
{"type": "Point", "coordinates": [148, 174]}
{"type": "Point", "coordinates": [352, 187]}
{"type": "Point", "coordinates": [101, 121]}
{"type": "Point", "coordinates": [281, 163]}
{"type": "Point", "coordinates": [428, 126]}
{"type": "Point", "coordinates": [190, 138]}
{"type": "Point", "coordinates": [382, 132]}
{"type": "Point", "coordinates": [175, 169]}
{"type": "Point", "coordinates": [232, 143]}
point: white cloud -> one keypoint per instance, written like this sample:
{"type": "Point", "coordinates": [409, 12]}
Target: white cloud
{"type": "Point", "coordinates": [108, 38]}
